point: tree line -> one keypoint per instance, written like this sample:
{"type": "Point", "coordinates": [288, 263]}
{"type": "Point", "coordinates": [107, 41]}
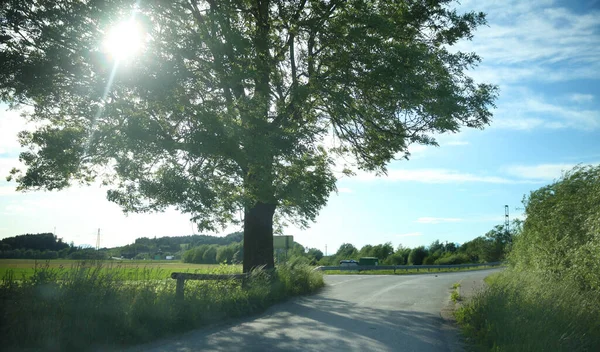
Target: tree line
{"type": "Point", "coordinates": [229, 249]}
{"type": "Point", "coordinates": [44, 246]}
{"type": "Point", "coordinates": [491, 247]}
{"type": "Point", "coordinates": [147, 248]}
{"type": "Point", "coordinates": [215, 254]}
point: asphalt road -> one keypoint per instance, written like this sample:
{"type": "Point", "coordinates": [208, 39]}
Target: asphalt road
{"type": "Point", "coordinates": [353, 313]}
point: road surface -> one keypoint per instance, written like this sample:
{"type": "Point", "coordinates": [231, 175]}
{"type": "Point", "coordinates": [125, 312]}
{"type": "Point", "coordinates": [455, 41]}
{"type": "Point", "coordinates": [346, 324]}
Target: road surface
{"type": "Point", "coordinates": [352, 313]}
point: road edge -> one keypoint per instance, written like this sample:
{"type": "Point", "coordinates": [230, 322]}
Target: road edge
{"type": "Point", "coordinates": [467, 290]}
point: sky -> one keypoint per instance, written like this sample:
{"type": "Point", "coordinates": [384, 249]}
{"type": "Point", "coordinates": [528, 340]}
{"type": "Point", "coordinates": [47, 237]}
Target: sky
{"type": "Point", "coordinates": [545, 58]}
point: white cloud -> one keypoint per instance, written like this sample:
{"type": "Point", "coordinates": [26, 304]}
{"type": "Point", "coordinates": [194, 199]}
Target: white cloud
{"type": "Point", "coordinates": [521, 109]}
{"type": "Point", "coordinates": [534, 41]}
{"type": "Point", "coordinates": [520, 174]}
{"type": "Point", "coordinates": [523, 124]}
{"type": "Point", "coordinates": [431, 220]}
{"type": "Point", "coordinates": [433, 176]}
{"type": "Point", "coordinates": [457, 143]}
{"type": "Point", "coordinates": [571, 116]}
{"type": "Point", "coordinates": [546, 172]}
{"type": "Point", "coordinates": [410, 234]}
{"type": "Point", "coordinates": [581, 98]}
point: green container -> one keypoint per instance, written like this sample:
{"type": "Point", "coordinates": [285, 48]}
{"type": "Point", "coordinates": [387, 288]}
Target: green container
{"type": "Point", "coordinates": [368, 261]}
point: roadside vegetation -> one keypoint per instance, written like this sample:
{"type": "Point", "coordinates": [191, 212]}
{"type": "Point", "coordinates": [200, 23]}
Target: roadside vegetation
{"type": "Point", "coordinates": [408, 271]}
{"type": "Point", "coordinates": [548, 298]}
{"type": "Point", "coordinates": [88, 306]}
{"type": "Point", "coordinates": [455, 295]}
{"type": "Point", "coordinates": [488, 248]}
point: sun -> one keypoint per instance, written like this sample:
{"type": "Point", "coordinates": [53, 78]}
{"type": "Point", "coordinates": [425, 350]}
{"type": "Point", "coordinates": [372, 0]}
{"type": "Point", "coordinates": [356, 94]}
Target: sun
{"type": "Point", "coordinates": [124, 40]}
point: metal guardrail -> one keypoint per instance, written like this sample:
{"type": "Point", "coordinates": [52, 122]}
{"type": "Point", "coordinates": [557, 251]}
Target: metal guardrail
{"type": "Point", "coordinates": [402, 267]}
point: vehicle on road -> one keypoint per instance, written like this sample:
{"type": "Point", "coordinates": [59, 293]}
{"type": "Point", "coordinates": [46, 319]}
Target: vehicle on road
{"type": "Point", "coordinates": [348, 262]}
{"type": "Point", "coordinates": [368, 261]}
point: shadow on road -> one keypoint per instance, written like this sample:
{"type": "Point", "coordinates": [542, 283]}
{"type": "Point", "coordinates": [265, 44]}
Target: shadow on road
{"type": "Point", "coordinates": [317, 324]}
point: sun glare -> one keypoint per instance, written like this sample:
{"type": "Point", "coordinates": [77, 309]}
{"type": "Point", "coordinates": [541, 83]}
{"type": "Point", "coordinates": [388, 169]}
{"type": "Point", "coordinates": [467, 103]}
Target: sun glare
{"type": "Point", "coordinates": [124, 40]}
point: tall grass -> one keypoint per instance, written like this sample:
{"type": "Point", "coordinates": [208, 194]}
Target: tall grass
{"type": "Point", "coordinates": [527, 312]}
{"type": "Point", "coordinates": [88, 307]}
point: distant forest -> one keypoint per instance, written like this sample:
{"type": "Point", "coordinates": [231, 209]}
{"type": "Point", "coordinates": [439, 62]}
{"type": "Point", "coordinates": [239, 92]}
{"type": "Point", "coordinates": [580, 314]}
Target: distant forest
{"type": "Point", "coordinates": [206, 249]}
{"type": "Point", "coordinates": [48, 246]}
{"type": "Point", "coordinates": [36, 246]}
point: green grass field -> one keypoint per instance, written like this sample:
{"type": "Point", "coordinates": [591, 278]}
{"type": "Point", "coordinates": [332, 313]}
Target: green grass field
{"type": "Point", "coordinates": [129, 269]}
{"type": "Point", "coordinates": [90, 306]}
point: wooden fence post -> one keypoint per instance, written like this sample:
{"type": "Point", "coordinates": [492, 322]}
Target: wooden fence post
{"type": "Point", "coordinates": [179, 290]}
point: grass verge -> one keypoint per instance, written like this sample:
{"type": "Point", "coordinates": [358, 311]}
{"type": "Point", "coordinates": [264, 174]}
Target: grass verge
{"type": "Point", "coordinates": [455, 295]}
{"type": "Point", "coordinates": [525, 312]}
{"type": "Point", "coordinates": [88, 307]}
{"type": "Point", "coordinates": [405, 272]}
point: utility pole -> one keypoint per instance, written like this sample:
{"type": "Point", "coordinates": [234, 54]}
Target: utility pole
{"type": "Point", "coordinates": [98, 241]}
{"type": "Point", "coordinates": [506, 219]}
{"type": "Point", "coordinates": [325, 249]}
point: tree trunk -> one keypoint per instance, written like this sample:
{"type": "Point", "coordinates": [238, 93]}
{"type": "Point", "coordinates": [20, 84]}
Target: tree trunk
{"type": "Point", "coordinates": [258, 236]}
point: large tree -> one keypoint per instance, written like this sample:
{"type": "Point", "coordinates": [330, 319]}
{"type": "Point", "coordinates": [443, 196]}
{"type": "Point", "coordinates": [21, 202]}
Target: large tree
{"type": "Point", "coordinates": [233, 106]}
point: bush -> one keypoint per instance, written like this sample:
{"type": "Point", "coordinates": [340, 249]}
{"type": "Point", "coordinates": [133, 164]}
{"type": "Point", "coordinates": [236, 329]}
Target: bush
{"type": "Point", "coordinates": [453, 259]}
{"type": "Point", "coordinates": [548, 301]}
{"type": "Point", "coordinates": [327, 261]}
{"type": "Point", "coordinates": [89, 306]}
{"type": "Point", "coordinates": [417, 255]}
{"type": "Point", "coordinates": [561, 235]}
{"type": "Point", "coordinates": [430, 260]}
{"type": "Point", "coordinates": [524, 312]}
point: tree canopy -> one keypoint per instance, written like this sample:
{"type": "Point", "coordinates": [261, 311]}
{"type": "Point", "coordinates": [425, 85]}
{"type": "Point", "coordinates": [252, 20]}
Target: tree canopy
{"type": "Point", "coordinates": [234, 106]}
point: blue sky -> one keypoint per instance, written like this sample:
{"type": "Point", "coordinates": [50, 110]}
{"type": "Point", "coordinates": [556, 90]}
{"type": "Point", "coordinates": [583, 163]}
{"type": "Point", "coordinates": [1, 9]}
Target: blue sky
{"type": "Point", "coordinates": [545, 57]}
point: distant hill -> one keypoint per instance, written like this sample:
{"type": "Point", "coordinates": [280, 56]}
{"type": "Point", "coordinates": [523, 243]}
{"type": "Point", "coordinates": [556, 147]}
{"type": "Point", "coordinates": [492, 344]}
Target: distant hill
{"type": "Point", "coordinates": [38, 241]}
{"type": "Point", "coordinates": [48, 246]}
{"type": "Point", "coordinates": [192, 240]}
{"type": "Point", "coordinates": [173, 244]}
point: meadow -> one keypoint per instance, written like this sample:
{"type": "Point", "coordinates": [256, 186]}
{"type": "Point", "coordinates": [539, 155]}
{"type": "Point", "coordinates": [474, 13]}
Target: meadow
{"type": "Point", "coordinates": [129, 269]}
